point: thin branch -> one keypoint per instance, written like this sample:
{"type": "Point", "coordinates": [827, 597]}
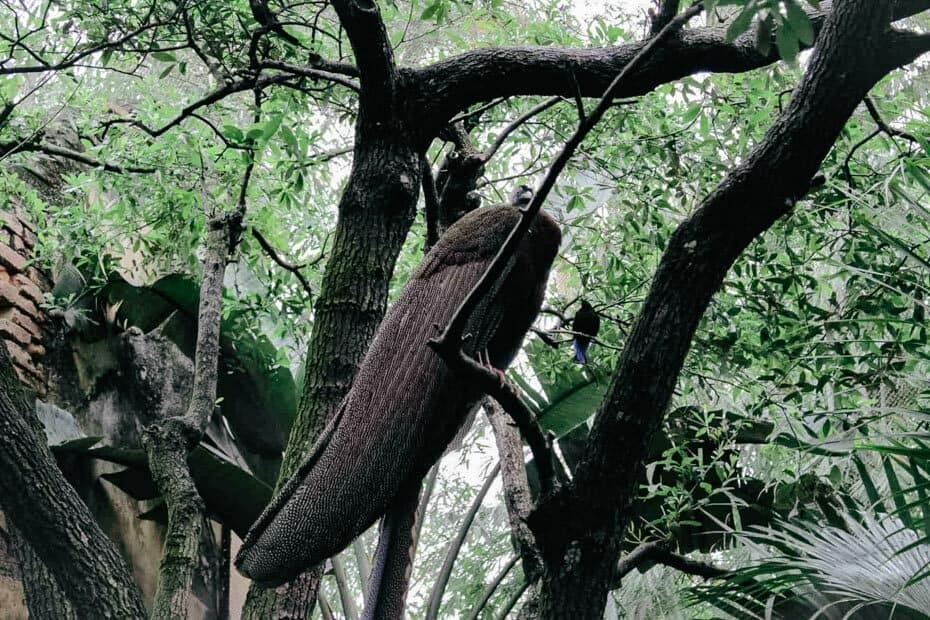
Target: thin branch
{"type": "Point", "coordinates": [509, 129]}
{"type": "Point", "coordinates": [512, 601]}
{"type": "Point", "coordinates": [317, 74]}
{"type": "Point", "coordinates": [281, 261]}
{"type": "Point", "coordinates": [491, 588]}
{"type": "Point", "coordinates": [891, 131]}
{"type": "Point", "coordinates": [44, 65]}
{"type": "Point", "coordinates": [659, 553]}
{"type": "Point", "coordinates": [10, 148]}
{"type": "Point", "coordinates": [479, 110]}
{"type": "Point", "coordinates": [455, 545]}
{"type": "Point", "coordinates": [213, 97]}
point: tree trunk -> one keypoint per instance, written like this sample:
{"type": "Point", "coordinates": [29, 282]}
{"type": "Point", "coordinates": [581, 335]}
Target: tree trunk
{"type": "Point", "coordinates": [375, 214]}
{"type": "Point", "coordinates": [580, 530]}
{"type": "Point", "coordinates": [44, 599]}
{"type": "Point", "coordinates": [48, 512]}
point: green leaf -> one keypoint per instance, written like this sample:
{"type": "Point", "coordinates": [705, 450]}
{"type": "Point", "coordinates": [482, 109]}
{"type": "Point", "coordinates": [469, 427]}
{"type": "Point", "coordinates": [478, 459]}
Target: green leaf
{"type": "Point", "coordinates": [233, 133]}
{"type": "Point", "coordinates": [271, 126]}
{"type": "Point", "coordinates": [800, 22]}
{"type": "Point", "coordinates": [164, 56]}
{"type": "Point", "coordinates": [429, 11]}
{"type": "Point", "coordinates": [741, 23]}
{"type": "Point", "coordinates": [572, 407]}
{"type": "Point", "coordinates": [787, 42]}
{"type": "Point", "coordinates": [764, 35]}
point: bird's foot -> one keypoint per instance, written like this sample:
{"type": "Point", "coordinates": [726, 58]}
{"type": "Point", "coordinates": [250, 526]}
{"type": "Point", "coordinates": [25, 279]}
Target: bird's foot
{"type": "Point", "coordinates": [485, 360]}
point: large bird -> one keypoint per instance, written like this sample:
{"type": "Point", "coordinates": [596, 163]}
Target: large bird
{"type": "Point", "coordinates": [586, 325]}
{"type": "Point", "coordinates": [405, 405]}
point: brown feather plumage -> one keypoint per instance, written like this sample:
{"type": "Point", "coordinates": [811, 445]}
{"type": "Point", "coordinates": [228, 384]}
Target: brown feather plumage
{"type": "Point", "coordinates": [405, 405]}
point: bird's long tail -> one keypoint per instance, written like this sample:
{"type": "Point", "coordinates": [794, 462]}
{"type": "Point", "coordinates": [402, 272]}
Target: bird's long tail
{"type": "Point", "coordinates": [581, 352]}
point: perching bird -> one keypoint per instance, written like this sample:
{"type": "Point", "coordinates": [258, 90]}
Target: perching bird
{"type": "Point", "coordinates": [405, 405]}
{"type": "Point", "coordinates": [264, 16]}
{"type": "Point", "coordinates": [521, 196]}
{"type": "Point", "coordinates": [586, 325]}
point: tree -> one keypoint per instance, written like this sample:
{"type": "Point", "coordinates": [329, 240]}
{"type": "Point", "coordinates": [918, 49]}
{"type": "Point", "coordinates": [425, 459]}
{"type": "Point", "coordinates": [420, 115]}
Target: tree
{"type": "Point", "coordinates": [570, 541]}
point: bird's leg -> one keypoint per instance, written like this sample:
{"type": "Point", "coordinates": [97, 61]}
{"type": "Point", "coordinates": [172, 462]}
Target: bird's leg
{"type": "Point", "coordinates": [485, 360]}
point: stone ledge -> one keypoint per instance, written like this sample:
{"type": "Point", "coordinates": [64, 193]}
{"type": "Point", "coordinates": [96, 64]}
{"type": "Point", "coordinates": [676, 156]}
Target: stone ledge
{"type": "Point", "coordinates": [12, 330]}
{"type": "Point", "coordinates": [12, 259]}
{"type": "Point", "coordinates": [17, 316]}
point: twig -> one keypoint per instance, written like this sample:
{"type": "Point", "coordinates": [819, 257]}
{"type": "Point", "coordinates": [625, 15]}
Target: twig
{"type": "Point", "coordinates": [509, 129]}
{"type": "Point", "coordinates": [455, 546]}
{"type": "Point", "coordinates": [316, 74]}
{"type": "Point", "coordinates": [281, 261]}
{"type": "Point", "coordinates": [883, 127]}
{"type": "Point", "coordinates": [891, 131]}
{"type": "Point", "coordinates": [490, 589]}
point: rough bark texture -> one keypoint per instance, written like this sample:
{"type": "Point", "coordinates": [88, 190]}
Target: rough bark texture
{"type": "Point", "coordinates": [168, 442]}
{"type": "Point", "coordinates": [375, 213]}
{"type": "Point", "coordinates": [51, 516]}
{"type": "Point", "coordinates": [580, 530]}
{"type": "Point", "coordinates": [517, 496]}
{"type": "Point", "coordinates": [44, 599]}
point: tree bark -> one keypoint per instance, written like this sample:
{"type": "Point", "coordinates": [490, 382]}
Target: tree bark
{"type": "Point", "coordinates": [168, 442]}
{"type": "Point", "coordinates": [44, 599]}
{"type": "Point", "coordinates": [50, 515]}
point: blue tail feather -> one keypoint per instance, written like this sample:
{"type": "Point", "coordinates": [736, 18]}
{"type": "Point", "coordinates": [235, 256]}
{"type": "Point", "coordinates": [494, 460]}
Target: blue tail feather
{"type": "Point", "coordinates": [581, 352]}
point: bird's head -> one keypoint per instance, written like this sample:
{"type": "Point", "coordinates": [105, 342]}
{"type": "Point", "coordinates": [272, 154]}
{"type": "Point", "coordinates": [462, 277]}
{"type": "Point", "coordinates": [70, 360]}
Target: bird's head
{"type": "Point", "coordinates": [521, 196]}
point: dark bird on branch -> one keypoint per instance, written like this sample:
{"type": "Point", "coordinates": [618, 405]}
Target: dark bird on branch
{"type": "Point", "coordinates": [405, 405]}
{"type": "Point", "coordinates": [267, 19]}
{"type": "Point", "coordinates": [586, 325]}
{"type": "Point", "coordinates": [521, 196]}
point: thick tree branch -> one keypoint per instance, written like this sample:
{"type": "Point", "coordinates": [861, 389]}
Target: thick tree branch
{"type": "Point", "coordinates": [517, 496]}
{"type": "Point", "coordinates": [35, 145]}
{"type": "Point", "coordinates": [451, 85]}
{"type": "Point", "coordinates": [52, 518]}
{"type": "Point", "coordinates": [374, 56]}
{"type": "Point", "coordinates": [431, 204]}
{"type": "Point", "coordinates": [168, 442]}
{"type": "Point", "coordinates": [663, 13]}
